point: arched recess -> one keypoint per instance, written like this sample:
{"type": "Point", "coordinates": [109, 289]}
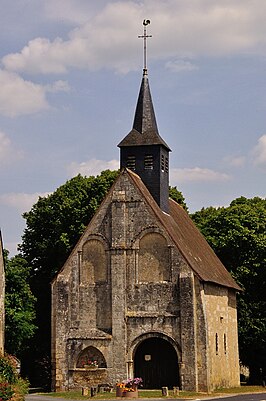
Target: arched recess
{"type": "Point", "coordinates": [154, 259]}
{"type": "Point", "coordinates": [94, 262]}
{"type": "Point", "coordinates": [95, 271]}
{"type": "Point", "coordinates": [91, 354]}
{"type": "Point", "coordinates": [156, 360]}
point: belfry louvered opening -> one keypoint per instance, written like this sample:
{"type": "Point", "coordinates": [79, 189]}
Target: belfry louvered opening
{"type": "Point", "coordinates": [131, 162]}
{"type": "Point", "coordinates": [148, 162]}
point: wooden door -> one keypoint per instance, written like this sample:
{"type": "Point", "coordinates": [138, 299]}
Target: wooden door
{"type": "Point", "coordinates": [156, 363]}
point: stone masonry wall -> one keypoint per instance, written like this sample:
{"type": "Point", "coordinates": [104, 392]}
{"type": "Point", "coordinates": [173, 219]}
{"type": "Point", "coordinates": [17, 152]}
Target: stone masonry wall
{"type": "Point", "coordinates": [201, 338]}
{"type": "Point", "coordinates": [220, 304]}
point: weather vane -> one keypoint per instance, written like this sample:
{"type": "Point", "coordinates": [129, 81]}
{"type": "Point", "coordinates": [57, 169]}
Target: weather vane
{"type": "Point", "coordinates": [144, 37]}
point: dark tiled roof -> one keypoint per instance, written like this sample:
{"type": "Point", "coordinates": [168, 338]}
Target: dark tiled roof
{"type": "Point", "coordinates": [145, 130]}
{"type": "Point", "coordinates": [188, 239]}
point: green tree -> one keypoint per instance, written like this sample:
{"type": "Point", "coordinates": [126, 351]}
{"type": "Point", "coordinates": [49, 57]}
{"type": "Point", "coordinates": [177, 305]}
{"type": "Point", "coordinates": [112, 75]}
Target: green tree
{"type": "Point", "coordinates": [177, 196]}
{"type": "Point", "coordinates": [19, 305]}
{"type": "Point", "coordinates": [238, 236]}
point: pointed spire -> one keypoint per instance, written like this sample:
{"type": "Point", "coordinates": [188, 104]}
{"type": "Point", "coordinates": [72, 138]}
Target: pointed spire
{"type": "Point", "coordinates": [144, 130]}
{"type": "Point", "coordinates": [144, 119]}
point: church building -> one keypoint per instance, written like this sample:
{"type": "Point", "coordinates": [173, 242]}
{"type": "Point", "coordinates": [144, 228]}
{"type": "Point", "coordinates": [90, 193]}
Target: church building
{"type": "Point", "coordinates": [2, 297]}
{"type": "Point", "coordinates": [142, 294]}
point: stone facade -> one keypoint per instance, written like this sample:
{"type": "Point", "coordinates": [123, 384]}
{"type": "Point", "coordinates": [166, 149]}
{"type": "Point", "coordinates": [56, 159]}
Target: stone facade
{"type": "Point", "coordinates": [127, 291]}
{"type": "Point", "coordinates": [2, 297]}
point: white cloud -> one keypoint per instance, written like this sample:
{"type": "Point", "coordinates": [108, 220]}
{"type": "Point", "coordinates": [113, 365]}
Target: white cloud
{"type": "Point", "coordinates": [108, 39]}
{"type": "Point", "coordinates": [20, 97]}
{"type": "Point", "coordinates": [21, 201]}
{"type": "Point", "coordinates": [235, 161]}
{"type": "Point", "coordinates": [197, 174]}
{"type": "Point", "coordinates": [8, 152]}
{"type": "Point", "coordinates": [58, 86]}
{"type": "Point", "coordinates": [92, 167]}
{"type": "Point", "coordinates": [5, 147]}
{"type": "Point", "coordinates": [180, 65]}
{"type": "Point", "coordinates": [71, 11]}
{"type": "Point", "coordinates": [259, 152]}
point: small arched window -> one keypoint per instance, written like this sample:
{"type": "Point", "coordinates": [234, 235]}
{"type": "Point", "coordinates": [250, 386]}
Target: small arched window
{"type": "Point", "coordinates": [225, 343]}
{"type": "Point", "coordinates": [216, 344]}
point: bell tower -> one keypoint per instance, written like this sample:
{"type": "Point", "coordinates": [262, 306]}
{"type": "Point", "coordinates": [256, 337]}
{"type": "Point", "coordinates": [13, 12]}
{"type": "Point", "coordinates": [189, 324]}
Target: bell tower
{"type": "Point", "coordinates": [143, 150]}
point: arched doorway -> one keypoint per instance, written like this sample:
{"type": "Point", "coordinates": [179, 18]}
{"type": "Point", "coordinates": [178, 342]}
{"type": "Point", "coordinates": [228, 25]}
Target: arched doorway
{"type": "Point", "coordinates": [156, 362]}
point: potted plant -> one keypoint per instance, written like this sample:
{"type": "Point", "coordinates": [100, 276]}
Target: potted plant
{"type": "Point", "coordinates": [119, 389]}
{"type": "Point", "coordinates": [131, 387]}
{"type": "Point", "coordinates": [134, 383]}
{"type": "Point", "coordinates": [130, 392]}
{"type": "Point", "coordinates": [90, 364]}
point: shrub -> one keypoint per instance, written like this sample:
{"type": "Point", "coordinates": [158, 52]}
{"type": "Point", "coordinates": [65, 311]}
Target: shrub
{"type": "Point", "coordinates": [11, 385]}
{"type": "Point", "coordinates": [8, 371]}
{"type": "Point", "coordinates": [6, 391]}
{"type": "Point", "coordinates": [21, 388]}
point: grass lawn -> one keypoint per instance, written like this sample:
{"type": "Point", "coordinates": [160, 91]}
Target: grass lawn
{"type": "Point", "coordinates": [76, 395]}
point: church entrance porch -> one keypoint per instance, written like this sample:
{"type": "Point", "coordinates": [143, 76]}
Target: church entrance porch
{"type": "Point", "coordinates": [156, 362]}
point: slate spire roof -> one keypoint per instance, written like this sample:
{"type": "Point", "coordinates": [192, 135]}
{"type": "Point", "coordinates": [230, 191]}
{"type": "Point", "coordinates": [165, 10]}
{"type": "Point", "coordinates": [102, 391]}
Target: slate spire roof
{"type": "Point", "coordinates": [145, 130]}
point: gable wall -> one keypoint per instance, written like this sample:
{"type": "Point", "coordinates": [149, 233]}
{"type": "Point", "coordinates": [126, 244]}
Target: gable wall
{"type": "Point", "coordinates": [145, 288]}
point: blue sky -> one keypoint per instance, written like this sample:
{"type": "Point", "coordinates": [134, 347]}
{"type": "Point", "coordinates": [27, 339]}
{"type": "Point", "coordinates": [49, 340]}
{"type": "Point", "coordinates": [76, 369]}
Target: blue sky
{"type": "Point", "coordinates": [70, 72]}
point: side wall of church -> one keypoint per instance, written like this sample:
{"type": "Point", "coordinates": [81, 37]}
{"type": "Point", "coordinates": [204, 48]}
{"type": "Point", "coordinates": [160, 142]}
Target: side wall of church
{"type": "Point", "coordinates": [221, 314]}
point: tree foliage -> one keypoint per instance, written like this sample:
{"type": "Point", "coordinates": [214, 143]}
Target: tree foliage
{"type": "Point", "coordinates": [12, 386]}
{"type": "Point", "coordinates": [8, 371]}
{"type": "Point", "coordinates": [177, 196]}
{"type": "Point", "coordinates": [238, 236]}
{"type": "Point", "coordinates": [19, 305]}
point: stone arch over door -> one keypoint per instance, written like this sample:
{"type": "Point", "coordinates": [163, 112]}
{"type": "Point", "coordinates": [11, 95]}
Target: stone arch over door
{"type": "Point", "coordinates": [156, 360]}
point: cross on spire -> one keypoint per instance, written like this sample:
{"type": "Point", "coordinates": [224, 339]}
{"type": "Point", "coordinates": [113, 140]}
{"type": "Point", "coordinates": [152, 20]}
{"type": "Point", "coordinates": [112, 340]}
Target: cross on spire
{"type": "Point", "coordinates": [144, 37]}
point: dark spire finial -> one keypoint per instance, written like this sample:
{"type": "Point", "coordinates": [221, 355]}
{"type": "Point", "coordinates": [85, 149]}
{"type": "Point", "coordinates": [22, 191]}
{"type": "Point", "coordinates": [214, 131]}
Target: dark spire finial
{"type": "Point", "coordinates": [144, 37]}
